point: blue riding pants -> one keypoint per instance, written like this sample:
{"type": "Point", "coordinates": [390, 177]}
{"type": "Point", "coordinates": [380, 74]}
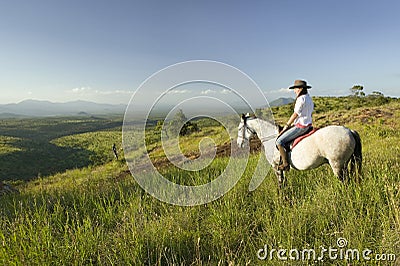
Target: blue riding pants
{"type": "Point", "coordinates": [290, 135]}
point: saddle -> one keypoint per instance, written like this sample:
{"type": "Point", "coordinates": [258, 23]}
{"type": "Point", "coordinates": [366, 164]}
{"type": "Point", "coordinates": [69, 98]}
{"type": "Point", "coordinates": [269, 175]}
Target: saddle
{"type": "Point", "coordinates": [296, 141]}
{"type": "Point", "coordinates": [289, 147]}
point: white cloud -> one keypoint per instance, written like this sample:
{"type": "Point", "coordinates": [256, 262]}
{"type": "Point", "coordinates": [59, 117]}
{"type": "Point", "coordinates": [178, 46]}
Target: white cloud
{"type": "Point", "coordinates": [279, 91]}
{"type": "Point", "coordinates": [225, 91]}
{"type": "Point", "coordinates": [87, 93]}
{"type": "Point", "coordinates": [178, 91]}
{"type": "Point", "coordinates": [114, 92]}
{"type": "Point", "coordinates": [208, 91]}
{"type": "Point", "coordinates": [90, 91]}
{"type": "Point", "coordinates": [81, 89]}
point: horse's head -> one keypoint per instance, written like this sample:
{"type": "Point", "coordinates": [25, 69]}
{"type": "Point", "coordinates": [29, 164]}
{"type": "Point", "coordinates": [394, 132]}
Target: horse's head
{"type": "Point", "coordinates": [267, 132]}
{"type": "Point", "coordinates": [245, 132]}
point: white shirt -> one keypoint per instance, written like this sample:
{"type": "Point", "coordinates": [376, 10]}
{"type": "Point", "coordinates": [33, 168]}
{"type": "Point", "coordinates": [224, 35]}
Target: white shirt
{"type": "Point", "coordinates": [304, 107]}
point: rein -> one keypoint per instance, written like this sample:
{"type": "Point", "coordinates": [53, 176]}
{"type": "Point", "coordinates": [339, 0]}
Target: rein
{"type": "Point", "coordinates": [252, 131]}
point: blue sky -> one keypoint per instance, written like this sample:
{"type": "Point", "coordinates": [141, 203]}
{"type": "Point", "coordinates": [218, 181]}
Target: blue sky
{"type": "Point", "coordinates": [103, 50]}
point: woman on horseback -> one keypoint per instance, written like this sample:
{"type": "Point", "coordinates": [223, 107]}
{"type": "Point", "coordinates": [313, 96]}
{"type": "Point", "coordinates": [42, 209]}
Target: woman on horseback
{"type": "Point", "coordinates": [301, 118]}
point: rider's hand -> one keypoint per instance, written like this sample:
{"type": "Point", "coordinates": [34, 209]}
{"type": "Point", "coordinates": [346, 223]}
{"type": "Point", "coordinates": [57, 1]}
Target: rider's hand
{"type": "Point", "coordinates": [283, 129]}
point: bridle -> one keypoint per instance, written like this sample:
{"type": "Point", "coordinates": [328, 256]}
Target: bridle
{"type": "Point", "coordinates": [252, 131]}
{"type": "Point", "coordinates": [245, 128]}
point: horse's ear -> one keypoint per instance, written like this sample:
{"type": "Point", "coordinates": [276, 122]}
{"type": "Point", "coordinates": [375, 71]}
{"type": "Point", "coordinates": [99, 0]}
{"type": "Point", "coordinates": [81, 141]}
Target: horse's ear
{"type": "Point", "coordinates": [279, 127]}
{"type": "Point", "coordinates": [243, 116]}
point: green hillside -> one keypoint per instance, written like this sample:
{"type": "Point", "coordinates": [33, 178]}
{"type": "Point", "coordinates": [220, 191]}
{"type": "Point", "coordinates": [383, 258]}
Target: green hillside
{"type": "Point", "coordinates": [96, 214]}
{"type": "Point", "coordinates": [28, 147]}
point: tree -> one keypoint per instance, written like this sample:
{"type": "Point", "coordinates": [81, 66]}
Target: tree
{"type": "Point", "coordinates": [179, 119]}
{"type": "Point", "coordinates": [377, 94]}
{"type": "Point", "coordinates": [188, 128]}
{"type": "Point", "coordinates": [357, 90]}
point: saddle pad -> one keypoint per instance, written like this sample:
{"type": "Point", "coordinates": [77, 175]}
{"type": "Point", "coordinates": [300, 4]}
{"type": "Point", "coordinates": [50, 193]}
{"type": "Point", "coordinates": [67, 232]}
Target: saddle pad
{"type": "Point", "coordinates": [297, 140]}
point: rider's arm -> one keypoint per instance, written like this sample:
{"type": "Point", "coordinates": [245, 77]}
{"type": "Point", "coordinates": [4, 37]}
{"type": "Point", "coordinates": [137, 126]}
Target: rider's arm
{"type": "Point", "coordinates": [292, 118]}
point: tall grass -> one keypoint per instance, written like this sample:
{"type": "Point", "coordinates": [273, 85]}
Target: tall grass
{"type": "Point", "coordinates": [104, 220]}
{"type": "Point", "coordinates": [101, 221]}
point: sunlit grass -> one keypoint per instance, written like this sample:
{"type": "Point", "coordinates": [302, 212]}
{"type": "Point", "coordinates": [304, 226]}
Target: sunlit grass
{"type": "Point", "coordinates": [7, 145]}
{"type": "Point", "coordinates": [100, 143]}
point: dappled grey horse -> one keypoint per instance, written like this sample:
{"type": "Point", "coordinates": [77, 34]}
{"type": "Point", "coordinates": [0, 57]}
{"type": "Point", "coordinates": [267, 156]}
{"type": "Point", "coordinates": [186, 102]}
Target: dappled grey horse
{"type": "Point", "coordinates": [336, 145]}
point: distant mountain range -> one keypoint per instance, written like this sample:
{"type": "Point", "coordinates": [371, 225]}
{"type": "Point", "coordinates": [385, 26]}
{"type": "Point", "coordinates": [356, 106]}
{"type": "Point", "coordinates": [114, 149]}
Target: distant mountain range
{"type": "Point", "coordinates": [281, 101]}
{"type": "Point", "coordinates": [29, 108]}
{"type": "Point", "coordinates": [47, 108]}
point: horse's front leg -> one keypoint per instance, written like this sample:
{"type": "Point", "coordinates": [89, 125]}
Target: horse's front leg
{"type": "Point", "coordinates": [280, 175]}
{"type": "Point", "coordinates": [282, 179]}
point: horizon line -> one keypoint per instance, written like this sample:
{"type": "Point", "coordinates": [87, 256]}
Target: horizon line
{"type": "Point", "coordinates": [90, 101]}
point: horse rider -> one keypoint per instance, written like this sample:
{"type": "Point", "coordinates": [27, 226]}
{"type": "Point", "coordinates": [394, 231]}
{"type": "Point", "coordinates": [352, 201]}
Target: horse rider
{"type": "Point", "coordinates": [301, 118]}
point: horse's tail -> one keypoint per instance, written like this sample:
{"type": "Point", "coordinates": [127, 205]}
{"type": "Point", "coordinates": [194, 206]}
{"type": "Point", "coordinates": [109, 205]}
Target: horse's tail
{"type": "Point", "coordinates": [356, 158]}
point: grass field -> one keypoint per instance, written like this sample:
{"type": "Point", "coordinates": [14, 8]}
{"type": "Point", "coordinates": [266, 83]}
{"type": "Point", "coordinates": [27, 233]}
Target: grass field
{"type": "Point", "coordinates": [97, 214]}
{"type": "Point", "coordinates": [28, 147]}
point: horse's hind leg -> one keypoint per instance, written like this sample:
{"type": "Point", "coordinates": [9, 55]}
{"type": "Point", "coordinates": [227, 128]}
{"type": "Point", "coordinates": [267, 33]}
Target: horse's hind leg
{"type": "Point", "coordinates": [339, 169]}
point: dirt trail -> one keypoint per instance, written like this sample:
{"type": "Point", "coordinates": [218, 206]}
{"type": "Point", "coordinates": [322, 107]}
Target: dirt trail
{"type": "Point", "coordinates": [223, 150]}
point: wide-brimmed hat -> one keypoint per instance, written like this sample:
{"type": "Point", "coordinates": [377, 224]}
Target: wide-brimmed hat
{"type": "Point", "coordinates": [300, 84]}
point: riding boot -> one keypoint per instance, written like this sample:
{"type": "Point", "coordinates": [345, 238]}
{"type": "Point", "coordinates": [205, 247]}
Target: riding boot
{"type": "Point", "coordinates": [285, 164]}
